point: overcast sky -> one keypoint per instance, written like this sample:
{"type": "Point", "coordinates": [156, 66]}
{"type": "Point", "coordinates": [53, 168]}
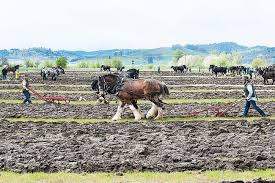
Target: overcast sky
{"type": "Point", "coordinates": [107, 24]}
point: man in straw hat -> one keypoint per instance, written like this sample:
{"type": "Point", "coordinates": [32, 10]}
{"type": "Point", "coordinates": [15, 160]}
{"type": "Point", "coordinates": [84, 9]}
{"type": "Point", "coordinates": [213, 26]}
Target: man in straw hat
{"type": "Point", "coordinates": [25, 87]}
{"type": "Point", "coordinates": [251, 97]}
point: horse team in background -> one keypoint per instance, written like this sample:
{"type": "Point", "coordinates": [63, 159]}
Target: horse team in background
{"type": "Point", "coordinates": [265, 72]}
{"type": "Point", "coordinates": [181, 68]}
{"type": "Point", "coordinates": [131, 73]}
{"type": "Point", "coordinates": [52, 73]}
{"type": "Point", "coordinates": [239, 70]}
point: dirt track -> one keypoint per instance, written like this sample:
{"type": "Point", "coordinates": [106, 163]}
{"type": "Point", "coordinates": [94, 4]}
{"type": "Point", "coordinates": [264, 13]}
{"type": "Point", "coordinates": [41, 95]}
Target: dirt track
{"type": "Point", "coordinates": [49, 147]}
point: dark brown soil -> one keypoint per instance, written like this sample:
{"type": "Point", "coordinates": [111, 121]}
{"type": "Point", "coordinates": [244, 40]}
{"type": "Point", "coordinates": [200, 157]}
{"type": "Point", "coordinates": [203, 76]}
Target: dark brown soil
{"type": "Point", "coordinates": [50, 147]}
{"type": "Point", "coordinates": [46, 110]}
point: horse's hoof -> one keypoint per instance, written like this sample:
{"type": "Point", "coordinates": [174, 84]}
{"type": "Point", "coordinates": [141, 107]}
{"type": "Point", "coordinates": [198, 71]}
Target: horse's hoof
{"type": "Point", "coordinates": [137, 119]}
{"type": "Point", "coordinates": [115, 119]}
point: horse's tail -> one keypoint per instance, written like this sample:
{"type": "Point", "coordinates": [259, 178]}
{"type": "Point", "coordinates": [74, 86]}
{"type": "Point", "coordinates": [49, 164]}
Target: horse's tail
{"type": "Point", "coordinates": [164, 89]}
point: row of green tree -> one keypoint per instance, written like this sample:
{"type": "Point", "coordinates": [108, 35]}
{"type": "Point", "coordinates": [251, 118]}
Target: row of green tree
{"type": "Point", "coordinates": [60, 62]}
{"type": "Point", "coordinates": [218, 59]}
{"type": "Point", "coordinates": [114, 63]}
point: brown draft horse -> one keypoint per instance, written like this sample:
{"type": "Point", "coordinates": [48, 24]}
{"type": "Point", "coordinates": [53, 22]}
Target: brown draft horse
{"type": "Point", "coordinates": [12, 69]}
{"type": "Point", "coordinates": [128, 91]}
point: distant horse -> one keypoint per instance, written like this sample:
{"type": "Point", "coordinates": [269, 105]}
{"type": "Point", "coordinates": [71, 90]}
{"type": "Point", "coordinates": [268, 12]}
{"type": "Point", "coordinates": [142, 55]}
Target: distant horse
{"type": "Point", "coordinates": [53, 73]}
{"type": "Point", "coordinates": [105, 68]}
{"type": "Point", "coordinates": [133, 73]}
{"type": "Point", "coordinates": [267, 75]}
{"type": "Point", "coordinates": [211, 67]}
{"type": "Point", "coordinates": [120, 69]}
{"type": "Point", "coordinates": [179, 68]}
{"type": "Point", "coordinates": [129, 91]}
{"type": "Point", "coordinates": [12, 69]}
{"type": "Point", "coordinates": [217, 70]}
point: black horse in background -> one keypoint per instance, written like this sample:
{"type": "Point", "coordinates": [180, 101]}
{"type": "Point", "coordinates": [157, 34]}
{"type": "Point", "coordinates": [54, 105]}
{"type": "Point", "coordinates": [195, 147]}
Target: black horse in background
{"type": "Point", "coordinates": [211, 67]}
{"type": "Point", "coordinates": [179, 68]}
{"type": "Point", "coordinates": [267, 75]}
{"type": "Point", "coordinates": [216, 70]}
{"type": "Point", "coordinates": [133, 73]}
{"type": "Point", "coordinates": [105, 68]}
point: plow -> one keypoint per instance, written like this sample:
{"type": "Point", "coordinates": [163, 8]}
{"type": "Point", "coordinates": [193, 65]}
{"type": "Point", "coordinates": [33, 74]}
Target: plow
{"type": "Point", "coordinates": [216, 110]}
{"type": "Point", "coordinates": [49, 99]}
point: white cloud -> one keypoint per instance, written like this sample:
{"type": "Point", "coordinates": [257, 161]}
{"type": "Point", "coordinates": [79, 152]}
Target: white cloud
{"type": "Point", "coordinates": [104, 24]}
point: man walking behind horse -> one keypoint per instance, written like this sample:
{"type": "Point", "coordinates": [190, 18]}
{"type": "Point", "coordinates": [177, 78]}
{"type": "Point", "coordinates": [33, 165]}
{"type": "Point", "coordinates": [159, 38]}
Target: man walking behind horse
{"type": "Point", "coordinates": [26, 92]}
{"type": "Point", "coordinates": [251, 97]}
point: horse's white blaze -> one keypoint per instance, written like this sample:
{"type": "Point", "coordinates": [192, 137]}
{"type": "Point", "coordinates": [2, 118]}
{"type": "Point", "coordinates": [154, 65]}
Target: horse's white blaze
{"type": "Point", "coordinates": [119, 111]}
{"type": "Point", "coordinates": [152, 112]}
{"type": "Point", "coordinates": [160, 113]}
{"type": "Point", "coordinates": [135, 112]}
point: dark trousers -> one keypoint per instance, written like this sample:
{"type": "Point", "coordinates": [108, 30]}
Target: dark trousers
{"type": "Point", "coordinates": [4, 76]}
{"type": "Point", "coordinates": [254, 105]}
{"type": "Point", "coordinates": [27, 96]}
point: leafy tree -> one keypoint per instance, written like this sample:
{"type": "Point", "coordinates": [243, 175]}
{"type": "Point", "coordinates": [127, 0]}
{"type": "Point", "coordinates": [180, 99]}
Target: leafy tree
{"type": "Point", "coordinates": [83, 64]}
{"type": "Point", "coordinates": [95, 65]}
{"type": "Point", "coordinates": [4, 61]}
{"type": "Point", "coordinates": [108, 62]}
{"type": "Point", "coordinates": [259, 62]}
{"type": "Point", "coordinates": [150, 66]}
{"type": "Point", "coordinates": [177, 55]}
{"type": "Point", "coordinates": [28, 63]}
{"type": "Point", "coordinates": [61, 62]}
{"type": "Point", "coordinates": [48, 64]}
{"type": "Point", "coordinates": [236, 59]}
{"type": "Point", "coordinates": [116, 63]}
{"type": "Point", "coordinates": [198, 62]}
{"type": "Point", "coordinates": [37, 63]}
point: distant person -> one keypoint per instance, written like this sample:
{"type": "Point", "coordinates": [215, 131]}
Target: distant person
{"type": "Point", "coordinates": [4, 73]}
{"type": "Point", "coordinates": [158, 69]}
{"type": "Point", "coordinates": [251, 98]}
{"type": "Point", "coordinates": [26, 92]}
{"type": "Point", "coordinates": [17, 74]}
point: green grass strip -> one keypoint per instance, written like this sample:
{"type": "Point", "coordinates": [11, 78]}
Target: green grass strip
{"type": "Point", "coordinates": [141, 177]}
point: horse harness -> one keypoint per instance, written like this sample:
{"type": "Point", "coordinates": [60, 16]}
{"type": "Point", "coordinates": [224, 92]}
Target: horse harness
{"type": "Point", "coordinates": [112, 89]}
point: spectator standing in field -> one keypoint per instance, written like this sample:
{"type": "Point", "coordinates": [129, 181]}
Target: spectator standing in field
{"type": "Point", "coordinates": [17, 74]}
